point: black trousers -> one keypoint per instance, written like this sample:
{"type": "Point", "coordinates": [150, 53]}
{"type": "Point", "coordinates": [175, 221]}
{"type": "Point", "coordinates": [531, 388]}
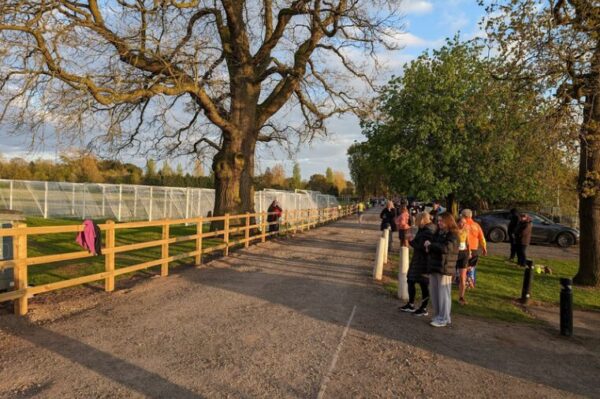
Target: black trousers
{"type": "Point", "coordinates": [513, 246]}
{"type": "Point", "coordinates": [412, 292]}
{"type": "Point", "coordinates": [521, 254]}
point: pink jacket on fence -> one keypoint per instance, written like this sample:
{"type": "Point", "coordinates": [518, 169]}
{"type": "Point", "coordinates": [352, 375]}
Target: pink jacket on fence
{"type": "Point", "coordinates": [87, 237]}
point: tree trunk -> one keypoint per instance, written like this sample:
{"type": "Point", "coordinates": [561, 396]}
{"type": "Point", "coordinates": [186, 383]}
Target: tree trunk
{"type": "Point", "coordinates": [228, 165]}
{"type": "Point", "coordinates": [452, 204]}
{"type": "Point", "coordinates": [589, 188]}
{"type": "Point", "coordinates": [234, 163]}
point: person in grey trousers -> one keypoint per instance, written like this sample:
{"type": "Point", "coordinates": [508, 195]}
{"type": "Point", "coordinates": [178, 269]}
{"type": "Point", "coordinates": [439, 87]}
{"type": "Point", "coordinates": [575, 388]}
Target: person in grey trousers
{"type": "Point", "coordinates": [442, 253]}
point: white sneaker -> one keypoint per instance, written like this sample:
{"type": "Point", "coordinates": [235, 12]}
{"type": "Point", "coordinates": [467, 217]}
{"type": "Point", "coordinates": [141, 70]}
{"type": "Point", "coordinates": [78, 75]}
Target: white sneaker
{"type": "Point", "coordinates": [437, 323]}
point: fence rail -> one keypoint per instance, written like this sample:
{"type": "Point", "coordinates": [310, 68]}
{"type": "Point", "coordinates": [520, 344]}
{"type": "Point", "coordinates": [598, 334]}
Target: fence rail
{"type": "Point", "coordinates": [240, 232]}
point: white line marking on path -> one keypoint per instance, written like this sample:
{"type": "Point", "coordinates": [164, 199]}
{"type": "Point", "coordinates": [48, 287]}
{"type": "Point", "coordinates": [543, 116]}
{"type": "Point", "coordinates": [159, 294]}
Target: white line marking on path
{"type": "Point", "coordinates": [326, 379]}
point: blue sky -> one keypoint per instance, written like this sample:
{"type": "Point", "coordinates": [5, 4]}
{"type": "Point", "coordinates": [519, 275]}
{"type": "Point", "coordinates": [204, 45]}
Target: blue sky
{"type": "Point", "coordinates": [428, 23]}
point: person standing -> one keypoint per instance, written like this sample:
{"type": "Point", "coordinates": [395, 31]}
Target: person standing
{"type": "Point", "coordinates": [523, 238]}
{"type": "Point", "coordinates": [417, 270]}
{"type": "Point", "coordinates": [403, 226]}
{"type": "Point", "coordinates": [475, 240]}
{"type": "Point", "coordinates": [442, 253]}
{"type": "Point", "coordinates": [274, 214]}
{"type": "Point", "coordinates": [512, 226]}
{"type": "Point", "coordinates": [388, 219]}
{"type": "Point", "coordinates": [463, 259]}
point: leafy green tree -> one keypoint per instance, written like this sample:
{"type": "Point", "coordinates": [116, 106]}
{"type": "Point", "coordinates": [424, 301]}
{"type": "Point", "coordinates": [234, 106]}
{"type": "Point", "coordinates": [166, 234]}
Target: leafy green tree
{"type": "Point", "coordinates": [555, 44]}
{"type": "Point", "coordinates": [296, 177]}
{"type": "Point", "coordinates": [449, 130]}
{"type": "Point", "coordinates": [329, 175]}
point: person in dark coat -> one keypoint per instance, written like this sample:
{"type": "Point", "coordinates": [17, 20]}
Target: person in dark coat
{"type": "Point", "coordinates": [274, 214]}
{"type": "Point", "coordinates": [523, 238]}
{"type": "Point", "coordinates": [388, 217]}
{"type": "Point", "coordinates": [442, 253]}
{"type": "Point", "coordinates": [512, 226]}
{"type": "Point", "coordinates": [417, 270]}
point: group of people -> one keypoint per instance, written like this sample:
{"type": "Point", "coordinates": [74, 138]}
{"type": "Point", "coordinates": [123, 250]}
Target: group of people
{"type": "Point", "coordinates": [444, 249]}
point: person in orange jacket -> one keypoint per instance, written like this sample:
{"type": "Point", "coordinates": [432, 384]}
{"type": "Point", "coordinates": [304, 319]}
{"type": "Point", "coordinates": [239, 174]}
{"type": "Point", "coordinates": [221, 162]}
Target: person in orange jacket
{"type": "Point", "coordinates": [475, 240]}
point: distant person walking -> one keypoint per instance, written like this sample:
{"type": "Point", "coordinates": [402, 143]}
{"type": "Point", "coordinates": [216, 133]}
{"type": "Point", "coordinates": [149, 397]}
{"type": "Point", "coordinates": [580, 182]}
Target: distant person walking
{"type": "Point", "coordinates": [403, 225]}
{"type": "Point", "coordinates": [388, 217]}
{"type": "Point", "coordinates": [417, 270]}
{"type": "Point", "coordinates": [274, 214]}
{"type": "Point", "coordinates": [523, 238]}
{"type": "Point", "coordinates": [442, 253]}
{"type": "Point", "coordinates": [462, 263]}
{"type": "Point", "coordinates": [512, 227]}
{"type": "Point", "coordinates": [360, 210]}
{"type": "Point", "coordinates": [475, 240]}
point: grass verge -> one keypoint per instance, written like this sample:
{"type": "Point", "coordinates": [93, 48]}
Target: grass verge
{"type": "Point", "coordinates": [499, 284]}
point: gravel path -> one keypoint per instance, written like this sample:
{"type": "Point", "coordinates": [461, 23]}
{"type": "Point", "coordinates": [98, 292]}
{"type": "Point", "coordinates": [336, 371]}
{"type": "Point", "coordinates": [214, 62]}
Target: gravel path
{"type": "Point", "coordinates": [290, 318]}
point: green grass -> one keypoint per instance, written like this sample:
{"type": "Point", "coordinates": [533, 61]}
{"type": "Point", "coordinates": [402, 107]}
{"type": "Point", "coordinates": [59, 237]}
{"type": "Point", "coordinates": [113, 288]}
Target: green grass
{"type": "Point", "coordinates": [48, 244]}
{"type": "Point", "coordinates": [499, 283]}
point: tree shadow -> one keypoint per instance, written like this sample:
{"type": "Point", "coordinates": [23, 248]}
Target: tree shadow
{"type": "Point", "coordinates": [330, 300]}
{"type": "Point", "coordinates": [118, 370]}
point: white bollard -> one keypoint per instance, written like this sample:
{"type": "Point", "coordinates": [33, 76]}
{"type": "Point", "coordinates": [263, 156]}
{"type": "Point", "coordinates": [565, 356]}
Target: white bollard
{"type": "Point", "coordinates": [402, 273]}
{"type": "Point", "coordinates": [386, 236]}
{"type": "Point", "coordinates": [378, 268]}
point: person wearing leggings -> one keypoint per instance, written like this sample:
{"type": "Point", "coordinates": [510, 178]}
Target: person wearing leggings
{"type": "Point", "coordinates": [417, 270]}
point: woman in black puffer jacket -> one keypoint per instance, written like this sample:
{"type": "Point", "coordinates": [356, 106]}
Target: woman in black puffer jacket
{"type": "Point", "coordinates": [442, 253]}
{"type": "Point", "coordinates": [417, 270]}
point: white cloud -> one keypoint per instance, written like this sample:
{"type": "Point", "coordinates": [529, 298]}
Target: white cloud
{"type": "Point", "coordinates": [416, 7]}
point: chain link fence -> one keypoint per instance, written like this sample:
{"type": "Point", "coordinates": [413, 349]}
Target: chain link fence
{"type": "Point", "coordinates": [134, 202]}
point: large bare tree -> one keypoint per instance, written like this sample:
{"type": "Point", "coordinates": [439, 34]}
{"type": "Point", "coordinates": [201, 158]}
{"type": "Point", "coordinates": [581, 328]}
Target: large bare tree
{"type": "Point", "coordinates": [184, 76]}
{"type": "Point", "coordinates": [556, 45]}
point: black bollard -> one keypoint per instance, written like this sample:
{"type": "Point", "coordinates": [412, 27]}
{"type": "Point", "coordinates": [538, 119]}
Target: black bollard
{"type": "Point", "coordinates": [566, 307]}
{"type": "Point", "coordinates": [527, 277]}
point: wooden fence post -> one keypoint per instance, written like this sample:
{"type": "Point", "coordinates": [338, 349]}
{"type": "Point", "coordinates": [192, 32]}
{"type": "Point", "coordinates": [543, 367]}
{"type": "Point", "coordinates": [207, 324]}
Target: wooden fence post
{"type": "Point", "coordinates": [20, 269]}
{"type": "Point", "coordinates": [164, 267]}
{"type": "Point", "coordinates": [109, 257]}
{"type": "Point", "coordinates": [264, 227]}
{"type": "Point", "coordinates": [247, 231]}
{"type": "Point", "coordinates": [226, 234]}
{"type": "Point", "coordinates": [199, 232]}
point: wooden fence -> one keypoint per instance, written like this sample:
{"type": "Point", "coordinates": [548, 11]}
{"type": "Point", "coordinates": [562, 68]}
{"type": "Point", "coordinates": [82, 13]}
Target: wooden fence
{"type": "Point", "coordinates": [234, 226]}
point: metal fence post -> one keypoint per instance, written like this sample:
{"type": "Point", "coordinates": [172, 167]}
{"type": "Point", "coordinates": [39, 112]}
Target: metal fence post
{"type": "Point", "coordinates": [45, 200]}
{"type": "Point", "coordinates": [10, 198]}
{"type": "Point", "coordinates": [120, 202]}
{"type": "Point", "coordinates": [150, 205]}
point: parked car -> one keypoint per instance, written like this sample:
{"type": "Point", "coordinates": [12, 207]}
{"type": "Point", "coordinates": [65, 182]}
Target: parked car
{"type": "Point", "coordinates": [545, 231]}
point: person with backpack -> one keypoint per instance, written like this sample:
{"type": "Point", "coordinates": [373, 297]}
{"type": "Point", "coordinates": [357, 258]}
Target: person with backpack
{"type": "Point", "coordinates": [417, 270]}
{"type": "Point", "coordinates": [442, 252]}
{"type": "Point", "coordinates": [523, 238]}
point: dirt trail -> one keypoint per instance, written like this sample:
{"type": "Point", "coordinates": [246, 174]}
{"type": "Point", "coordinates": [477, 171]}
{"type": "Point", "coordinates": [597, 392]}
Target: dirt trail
{"type": "Point", "coordinates": [268, 322]}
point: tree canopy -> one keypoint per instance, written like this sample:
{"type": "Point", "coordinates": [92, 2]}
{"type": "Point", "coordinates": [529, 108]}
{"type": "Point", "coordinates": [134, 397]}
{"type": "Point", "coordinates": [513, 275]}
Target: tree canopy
{"type": "Point", "coordinates": [448, 129]}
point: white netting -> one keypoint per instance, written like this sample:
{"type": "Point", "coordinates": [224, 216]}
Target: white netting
{"type": "Point", "coordinates": [134, 202]}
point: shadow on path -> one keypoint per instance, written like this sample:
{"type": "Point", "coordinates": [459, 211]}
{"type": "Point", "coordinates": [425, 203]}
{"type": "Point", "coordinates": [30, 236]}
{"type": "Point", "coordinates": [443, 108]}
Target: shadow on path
{"type": "Point", "coordinates": [125, 373]}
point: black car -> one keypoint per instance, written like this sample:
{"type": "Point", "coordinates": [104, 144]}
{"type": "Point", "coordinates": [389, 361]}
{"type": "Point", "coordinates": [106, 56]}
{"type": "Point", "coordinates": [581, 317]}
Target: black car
{"type": "Point", "coordinates": [545, 231]}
